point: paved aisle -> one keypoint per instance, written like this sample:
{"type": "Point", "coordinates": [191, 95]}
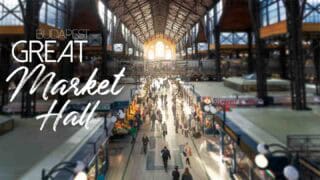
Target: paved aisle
{"type": "Point", "coordinates": [150, 166]}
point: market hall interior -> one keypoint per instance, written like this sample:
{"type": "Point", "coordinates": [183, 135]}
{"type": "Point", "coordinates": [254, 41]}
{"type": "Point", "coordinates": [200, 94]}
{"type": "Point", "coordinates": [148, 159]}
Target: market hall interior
{"type": "Point", "coordinates": [230, 86]}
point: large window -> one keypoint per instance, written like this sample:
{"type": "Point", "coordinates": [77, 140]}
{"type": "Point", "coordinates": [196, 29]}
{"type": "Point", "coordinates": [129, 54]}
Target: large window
{"type": "Point", "coordinates": [159, 49]}
{"type": "Point", "coordinates": [109, 20]}
{"type": "Point", "coordinates": [126, 33]}
{"type": "Point", "coordinates": [102, 11]}
{"type": "Point", "coordinates": [10, 13]}
{"type": "Point", "coordinates": [226, 38]}
{"type": "Point", "coordinates": [282, 11]}
{"type": "Point", "coordinates": [51, 15]}
{"type": "Point", "coordinates": [229, 38]}
{"type": "Point", "coordinates": [274, 11]}
{"type": "Point", "coordinates": [219, 7]}
{"type": "Point", "coordinates": [213, 18]}
{"type": "Point", "coordinates": [52, 12]}
{"type": "Point", "coordinates": [312, 11]}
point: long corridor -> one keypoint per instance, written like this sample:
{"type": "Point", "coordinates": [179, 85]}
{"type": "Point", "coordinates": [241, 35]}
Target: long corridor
{"type": "Point", "coordinates": [128, 162]}
{"type": "Point", "coordinates": [150, 166]}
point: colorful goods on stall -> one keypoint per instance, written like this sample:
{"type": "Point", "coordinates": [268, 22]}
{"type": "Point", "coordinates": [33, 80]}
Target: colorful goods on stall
{"type": "Point", "coordinates": [121, 127]}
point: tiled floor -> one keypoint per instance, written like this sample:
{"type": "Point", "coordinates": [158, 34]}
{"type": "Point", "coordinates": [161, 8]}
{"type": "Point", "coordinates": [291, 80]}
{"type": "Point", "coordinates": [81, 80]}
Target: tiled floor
{"type": "Point", "coordinates": [119, 153]}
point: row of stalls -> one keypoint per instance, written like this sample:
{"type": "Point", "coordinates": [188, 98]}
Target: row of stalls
{"type": "Point", "coordinates": [237, 149]}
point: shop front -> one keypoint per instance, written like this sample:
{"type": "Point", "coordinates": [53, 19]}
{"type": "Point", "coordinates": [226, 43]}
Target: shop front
{"type": "Point", "coordinates": [121, 127]}
{"type": "Point", "coordinates": [238, 150]}
{"type": "Point", "coordinates": [93, 153]}
{"type": "Point", "coordinates": [208, 120]}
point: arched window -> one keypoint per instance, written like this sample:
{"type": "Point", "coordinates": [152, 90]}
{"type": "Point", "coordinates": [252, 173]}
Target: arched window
{"type": "Point", "coordinates": [159, 49]}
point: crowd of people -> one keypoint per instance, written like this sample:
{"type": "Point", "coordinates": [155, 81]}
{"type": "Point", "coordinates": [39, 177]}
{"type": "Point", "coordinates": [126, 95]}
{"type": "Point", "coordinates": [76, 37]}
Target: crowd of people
{"type": "Point", "coordinates": [159, 91]}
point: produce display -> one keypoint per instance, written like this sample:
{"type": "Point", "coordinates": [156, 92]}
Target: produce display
{"type": "Point", "coordinates": [127, 117]}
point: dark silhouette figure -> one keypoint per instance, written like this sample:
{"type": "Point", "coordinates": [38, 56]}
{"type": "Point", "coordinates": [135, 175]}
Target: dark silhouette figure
{"type": "Point", "coordinates": [165, 153]}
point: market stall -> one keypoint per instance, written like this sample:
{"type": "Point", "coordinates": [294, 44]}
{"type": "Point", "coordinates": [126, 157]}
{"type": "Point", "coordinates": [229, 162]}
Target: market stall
{"type": "Point", "coordinates": [121, 126]}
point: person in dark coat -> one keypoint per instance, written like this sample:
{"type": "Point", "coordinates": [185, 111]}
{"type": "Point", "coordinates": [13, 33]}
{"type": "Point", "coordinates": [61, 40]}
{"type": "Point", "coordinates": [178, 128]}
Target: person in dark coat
{"type": "Point", "coordinates": [145, 141]}
{"type": "Point", "coordinates": [176, 173]}
{"type": "Point", "coordinates": [165, 154]}
{"type": "Point", "coordinates": [186, 175]}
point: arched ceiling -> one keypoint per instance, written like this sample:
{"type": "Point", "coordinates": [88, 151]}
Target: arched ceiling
{"type": "Point", "coordinates": [146, 18]}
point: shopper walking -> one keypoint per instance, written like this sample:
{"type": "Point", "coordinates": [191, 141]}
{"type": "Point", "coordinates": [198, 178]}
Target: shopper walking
{"type": "Point", "coordinates": [159, 116]}
{"type": "Point", "coordinates": [165, 154]}
{"type": "Point", "coordinates": [176, 123]}
{"type": "Point", "coordinates": [186, 175]}
{"type": "Point", "coordinates": [175, 173]}
{"type": "Point", "coordinates": [186, 129]}
{"type": "Point", "coordinates": [164, 129]}
{"type": "Point", "coordinates": [187, 152]}
{"type": "Point", "coordinates": [153, 119]}
{"type": "Point", "coordinates": [145, 142]}
{"type": "Point", "coordinates": [133, 132]}
{"type": "Point", "coordinates": [174, 110]}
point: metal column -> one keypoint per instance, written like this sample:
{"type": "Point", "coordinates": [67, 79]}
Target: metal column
{"type": "Point", "coordinates": [294, 23]}
{"type": "Point", "coordinates": [250, 62]}
{"type": "Point", "coordinates": [316, 61]}
{"type": "Point", "coordinates": [262, 92]}
{"type": "Point", "coordinates": [5, 50]}
{"type": "Point", "coordinates": [103, 71]}
{"type": "Point", "coordinates": [31, 22]}
{"type": "Point", "coordinates": [217, 52]}
{"type": "Point", "coordinates": [283, 63]}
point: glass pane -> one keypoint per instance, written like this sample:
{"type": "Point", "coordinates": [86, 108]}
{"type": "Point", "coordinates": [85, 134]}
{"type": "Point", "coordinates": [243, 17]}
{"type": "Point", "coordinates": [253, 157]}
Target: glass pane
{"type": "Point", "coordinates": [282, 11]}
{"type": "Point", "coordinates": [101, 8]}
{"type": "Point", "coordinates": [42, 14]}
{"type": "Point", "coordinates": [10, 4]}
{"type": "Point", "coordinates": [273, 13]}
{"type": "Point", "coordinates": [10, 19]}
{"type": "Point", "coordinates": [51, 13]}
